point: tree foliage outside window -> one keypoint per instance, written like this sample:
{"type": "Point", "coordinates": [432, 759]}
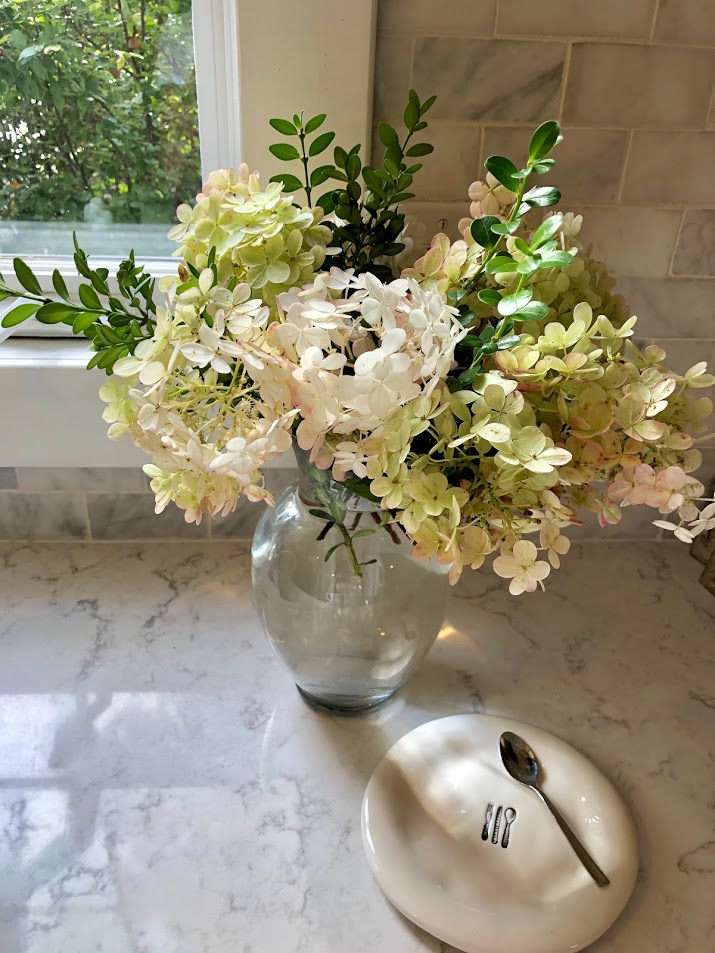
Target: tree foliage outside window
{"type": "Point", "coordinates": [98, 118]}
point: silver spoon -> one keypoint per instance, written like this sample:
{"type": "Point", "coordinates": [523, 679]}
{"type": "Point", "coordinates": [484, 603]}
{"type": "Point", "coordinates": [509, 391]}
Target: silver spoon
{"type": "Point", "coordinates": [522, 764]}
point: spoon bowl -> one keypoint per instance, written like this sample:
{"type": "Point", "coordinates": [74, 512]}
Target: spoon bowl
{"type": "Point", "coordinates": [519, 759]}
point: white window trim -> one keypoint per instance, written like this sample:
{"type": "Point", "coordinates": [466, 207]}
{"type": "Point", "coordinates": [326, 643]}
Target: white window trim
{"type": "Point", "coordinates": [319, 58]}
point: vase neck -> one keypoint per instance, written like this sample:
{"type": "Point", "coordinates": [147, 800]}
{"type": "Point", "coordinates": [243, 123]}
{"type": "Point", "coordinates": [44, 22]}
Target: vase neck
{"type": "Point", "coordinates": [317, 488]}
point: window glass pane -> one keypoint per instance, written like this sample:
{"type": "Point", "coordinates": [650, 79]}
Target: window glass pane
{"type": "Point", "coordinates": [98, 124]}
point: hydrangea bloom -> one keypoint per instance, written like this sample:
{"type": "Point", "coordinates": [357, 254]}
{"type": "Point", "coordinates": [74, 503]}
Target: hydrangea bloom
{"type": "Point", "coordinates": [262, 342]}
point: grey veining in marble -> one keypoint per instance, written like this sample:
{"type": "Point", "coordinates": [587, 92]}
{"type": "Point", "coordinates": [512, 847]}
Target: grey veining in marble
{"type": "Point", "coordinates": [37, 516]}
{"type": "Point", "coordinates": [695, 254]}
{"type": "Point", "coordinates": [470, 81]}
{"type": "Point", "coordinates": [163, 789]}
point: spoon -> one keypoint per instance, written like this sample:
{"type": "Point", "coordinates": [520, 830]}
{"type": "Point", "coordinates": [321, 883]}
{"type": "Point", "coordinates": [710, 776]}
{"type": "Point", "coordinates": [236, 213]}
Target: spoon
{"type": "Point", "coordinates": [522, 764]}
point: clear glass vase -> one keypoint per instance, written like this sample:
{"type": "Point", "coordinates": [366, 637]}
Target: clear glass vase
{"type": "Point", "coordinates": [352, 625]}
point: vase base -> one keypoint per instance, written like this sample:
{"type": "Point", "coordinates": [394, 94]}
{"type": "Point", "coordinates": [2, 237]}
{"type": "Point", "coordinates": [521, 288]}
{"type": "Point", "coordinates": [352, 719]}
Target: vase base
{"type": "Point", "coordinates": [346, 704]}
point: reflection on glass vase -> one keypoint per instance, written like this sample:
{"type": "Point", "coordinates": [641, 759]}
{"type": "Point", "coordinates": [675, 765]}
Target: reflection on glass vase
{"type": "Point", "coordinates": [350, 625]}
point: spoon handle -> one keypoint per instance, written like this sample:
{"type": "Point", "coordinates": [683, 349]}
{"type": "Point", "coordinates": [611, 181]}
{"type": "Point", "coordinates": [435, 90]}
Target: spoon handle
{"type": "Point", "coordinates": [583, 855]}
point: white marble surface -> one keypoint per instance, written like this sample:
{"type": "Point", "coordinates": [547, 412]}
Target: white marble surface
{"type": "Point", "coordinates": [163, 789]}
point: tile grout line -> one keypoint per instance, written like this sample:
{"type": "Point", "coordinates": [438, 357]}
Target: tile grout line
{"type": "Point", "coordinates": [654, 20]}
{"type": "Point", "coordinates": [564, 81]}
{"type": "Point", "coordinates": [677, 242]}
{"type": "Point", "coordinates": [495, 21]}
{"type": "Point", "coordinates": [86, 512]}
{"type": "Point", "coordinates": [624, 171]}
{"type": "Point", "coordinates": [642, 40]}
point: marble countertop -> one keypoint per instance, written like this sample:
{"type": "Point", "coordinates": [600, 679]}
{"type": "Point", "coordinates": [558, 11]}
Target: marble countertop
{"type": "Point", "coordinates": [163, 789]}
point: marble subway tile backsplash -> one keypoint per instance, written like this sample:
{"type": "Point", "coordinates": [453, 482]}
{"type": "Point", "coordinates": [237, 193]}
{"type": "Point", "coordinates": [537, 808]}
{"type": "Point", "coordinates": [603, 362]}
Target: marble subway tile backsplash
{"type": "Point", "coordinates": [109, 505]}
{"type": "Point", "coordinates": [685, 21]}
{"type": "Point", "coordinates": [633, 240]}
{"type": "Point", "coordinates": [463, 74]}
{"type": "Point", "coordinates": [669, 168]}
{"type": "Point", "coordinates": [42, 479]}
{"type": "Point", "coordinates": [607, 18]}
{"type": "Point", "coordinates": [43, 516]}
{"type": "Point", "coordinates": [8, 478]}
{"type": "Point", "coordinates": [695, 254]}
{"type": "Point", "coordinates": [456, 18]}
{"type": "Point", "coordinates": [634, 86]}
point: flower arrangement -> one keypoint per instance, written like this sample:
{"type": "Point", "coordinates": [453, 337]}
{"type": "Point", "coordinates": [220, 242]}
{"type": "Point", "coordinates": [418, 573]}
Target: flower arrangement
{"type": "Point", "coordinates": [484, 395]}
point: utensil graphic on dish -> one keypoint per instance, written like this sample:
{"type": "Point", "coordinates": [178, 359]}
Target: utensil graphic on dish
{"type": "Point", "coordinates": [522, 764]}
{"type": "Point", "coordinates": [509, 815]}
{"type": "Point", "coordinates": [497, 822]}
{"type": "Point", "coordinates": [487, 821]}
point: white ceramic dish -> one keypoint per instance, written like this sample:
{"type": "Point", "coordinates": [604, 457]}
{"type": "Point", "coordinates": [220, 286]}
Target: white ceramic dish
{"type": "Point", "coordinates": [423, 820]}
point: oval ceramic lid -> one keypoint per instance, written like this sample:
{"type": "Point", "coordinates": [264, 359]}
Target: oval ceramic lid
{"type": "Point", "coordinates": [424, 816]}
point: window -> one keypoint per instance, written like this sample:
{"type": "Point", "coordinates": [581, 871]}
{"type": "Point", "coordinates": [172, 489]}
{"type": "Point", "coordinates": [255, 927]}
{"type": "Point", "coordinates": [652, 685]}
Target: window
{"type": "Point", "coordinates": [98, 124]}
{"type": "Point", "coordinates": [100, 131]}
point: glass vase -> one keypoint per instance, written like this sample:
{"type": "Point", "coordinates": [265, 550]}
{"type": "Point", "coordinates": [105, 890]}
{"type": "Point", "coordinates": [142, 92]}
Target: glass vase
{"type": "Point", "coordinates": [346, 607]}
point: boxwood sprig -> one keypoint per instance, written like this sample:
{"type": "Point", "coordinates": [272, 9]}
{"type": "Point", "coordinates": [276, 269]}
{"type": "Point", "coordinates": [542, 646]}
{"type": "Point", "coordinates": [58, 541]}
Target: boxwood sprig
{"type": "Point", "coordinates": [114, 323]}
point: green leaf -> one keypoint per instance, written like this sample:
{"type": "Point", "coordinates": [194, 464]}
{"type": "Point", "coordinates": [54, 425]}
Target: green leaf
{"type": "Point", "coordinates": [58, 283]}
{"type": "Point", "coordinates": [320, 175]}
{"type": "Point", "coordinates": [555, 259]}
{"type": "Point", "coordinates": [533, 311]}
{"type": "Point", "coordinates": [427, 104]}
{"type": "Point", "coordinates": [341, 157]}
{"type": "Point", "coordinates": [543, 166]}
{"type": "Point", "coordinates": [54, 313]}
{"type": "Point", "coordinates": [88, 297]}
{"type": "Point", "coordinates": [546, 231]}
{"type": "Point", "coordinates": [291, 183]}
{"type": "Point", "coordinates": [481, 229]}
{"type": "Point", "coordinates": [507, 228]}
{"type": "Point", "coordinates": [284, 127]}
{"type": "Point", "coordinates": [490, 347]}
{"type": "Point", "coordinates": [388, 135]}
{"type": "Point", "coordinates": [83, 321]}
{"type": "Point", "coordinates": [499, 264]}
{"type": "Point", "coordinates": [528, 266]}
{"type": "Point", "coordinates": [19, 314]}
{"type": "Point", "coordinates": [543, 140]}
{"type": "Point", "coordinates": [419, 149]}
{"type": "Point", "coordinates": [521, 246]}
{"type": "Point", "coordinates": [26, 277]}
{"type": "Point", "coordinates": [93, 361]}
{"type": "Point", "coordinates": [321, 515]}
{"type": "Point", "coordinates": [503, 170]}
{"type": "Point", "coordinates": [321, 143]}
{"type": "Point", "coordinates": [541, 196]}
{"type": "Point", "coordinates": [489, 296]}
{"type": "Point", "coordinates": [412, 114]}
{"type": "Point", "coordinates": [360, 487]}
{"type": "Point", "coordinates": [509, 341]}
{"type": "Point", "coordinates": [315, 123]}
{"type": "Point", "coordinates": [284, 151]}
{"type": "Point", "coordinates": [510, 304]}
{"type": "Point", "coordinates": [353, 166]}
{"type": "Point", "coordinates": [332, 550]}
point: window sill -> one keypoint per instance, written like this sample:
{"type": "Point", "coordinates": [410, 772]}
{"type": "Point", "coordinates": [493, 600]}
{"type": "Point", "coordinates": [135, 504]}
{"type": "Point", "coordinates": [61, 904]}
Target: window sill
{"type": "Point", "coordinates": [51, 414]}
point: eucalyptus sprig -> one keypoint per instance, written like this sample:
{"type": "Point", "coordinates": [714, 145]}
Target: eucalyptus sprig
{"type": "Point", "coordinates": [115, 323]}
